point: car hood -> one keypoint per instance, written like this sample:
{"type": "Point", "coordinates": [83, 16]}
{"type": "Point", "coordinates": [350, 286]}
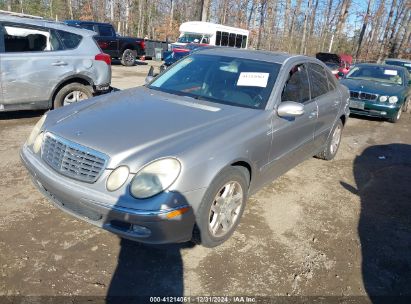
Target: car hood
{"type": "Point", "coordinates": [143, 123]}
{"type": "Point", "coordinates": [373, 87]}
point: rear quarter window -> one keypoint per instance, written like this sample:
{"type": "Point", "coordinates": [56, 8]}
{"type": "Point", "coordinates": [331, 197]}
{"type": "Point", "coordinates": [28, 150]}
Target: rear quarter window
{"type": "Point", "coordinates": [70, 40]}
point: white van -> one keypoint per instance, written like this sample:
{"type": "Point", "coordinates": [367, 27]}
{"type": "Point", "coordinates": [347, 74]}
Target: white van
{"type": "Point", "coordinates": [212, 34]}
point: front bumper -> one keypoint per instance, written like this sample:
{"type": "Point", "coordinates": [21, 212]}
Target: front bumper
{"type": "Point", "coordinates": [376, 109]}
{"type": "Point", "coordinates": [146, 226]}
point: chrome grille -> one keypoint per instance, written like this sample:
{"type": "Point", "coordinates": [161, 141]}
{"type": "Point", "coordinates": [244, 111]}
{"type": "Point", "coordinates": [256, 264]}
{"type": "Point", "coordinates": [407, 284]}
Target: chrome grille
{"type": "Point", "coordinates": [363, 95]}
{"type": "Point", "coordinates": [71, 159]}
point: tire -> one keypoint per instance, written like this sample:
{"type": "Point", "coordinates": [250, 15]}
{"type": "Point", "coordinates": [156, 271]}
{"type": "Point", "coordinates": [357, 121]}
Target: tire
{"type": "Point", "coordinates": [128, 58]}
{"type": "Point", "coordinates": [67, 94]}
{"type": "Point", "coordinates": [397, 116]}
{"type": "Point", "coordinates": [212, 215]}
{"type": "Point", "coordinates": [333, 142]}
{"type": "Point", "coordinates": [407, 105]}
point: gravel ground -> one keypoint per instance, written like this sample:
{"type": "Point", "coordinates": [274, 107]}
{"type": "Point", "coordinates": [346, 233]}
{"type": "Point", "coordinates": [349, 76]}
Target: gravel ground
{"type": "Point", "coordinates": [338, 228]}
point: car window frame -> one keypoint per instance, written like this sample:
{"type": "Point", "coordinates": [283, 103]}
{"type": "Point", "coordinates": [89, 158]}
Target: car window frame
{"type": "Point", "coordinates": [286, 72]}
{"type": "Point", "coordinates": [324, 70]}
{"type": "Point", "coordinates": [52, 31]}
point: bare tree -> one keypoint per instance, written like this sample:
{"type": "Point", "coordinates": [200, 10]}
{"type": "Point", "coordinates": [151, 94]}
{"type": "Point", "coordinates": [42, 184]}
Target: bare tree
{"type": "Point", "coordinates": [364, 27]}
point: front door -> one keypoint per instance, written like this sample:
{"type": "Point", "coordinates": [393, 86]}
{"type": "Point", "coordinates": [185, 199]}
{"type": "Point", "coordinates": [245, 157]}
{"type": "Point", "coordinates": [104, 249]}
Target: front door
{"type": "Point", "coordinates": [293, 138]}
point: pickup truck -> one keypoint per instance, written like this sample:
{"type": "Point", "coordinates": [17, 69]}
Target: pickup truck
{"type": "Point", "coordinates": [127, 49]}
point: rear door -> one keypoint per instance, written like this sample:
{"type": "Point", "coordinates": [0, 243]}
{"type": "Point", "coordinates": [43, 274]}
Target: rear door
{"type": "Point", "coordinates": [293, 137]}
{"type": "Point", "coordinates": [1, 54]}
{"type": "Point", "coordinates": [324, 91]}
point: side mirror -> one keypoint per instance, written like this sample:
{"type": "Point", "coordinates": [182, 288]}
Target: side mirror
{"type": "Point", "coordinates": [150, 76]}
{"type": "Point", "coordinates": [340, 74]}
{"type": "Point", "coordinates": [290, 109]}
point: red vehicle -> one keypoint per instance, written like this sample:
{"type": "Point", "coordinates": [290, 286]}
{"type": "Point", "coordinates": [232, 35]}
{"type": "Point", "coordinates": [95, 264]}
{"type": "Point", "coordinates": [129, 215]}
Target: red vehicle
{"type": "Point", "coordinates": [338, 64]}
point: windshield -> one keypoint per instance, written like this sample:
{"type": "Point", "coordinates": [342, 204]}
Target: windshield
{"type": "Point", "coordinates": [376, 73]}
{"type": "Point", "coordinates": [406, 65]}
{"type": "Point", "coordinates": [332, 66]}
{"type": "Point", "coordinates": [226, 80]}
{"type": "Point", "coordinates": [187, 38]}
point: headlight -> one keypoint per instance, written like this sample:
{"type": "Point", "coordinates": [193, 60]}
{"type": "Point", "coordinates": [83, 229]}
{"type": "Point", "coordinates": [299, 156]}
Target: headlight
{"type": "Point", "coordinates": [117, 178]}
{"type": "Point", "coordinates": [393, 99]}
{"type": "Point", "coordinates": [383, 98]}
{"type": "Point", "coordinates": [155, 178]}
{"type": "Point", "coordinates": [36, 130]}
{"type": "Point", "coordinates": [37, 142]}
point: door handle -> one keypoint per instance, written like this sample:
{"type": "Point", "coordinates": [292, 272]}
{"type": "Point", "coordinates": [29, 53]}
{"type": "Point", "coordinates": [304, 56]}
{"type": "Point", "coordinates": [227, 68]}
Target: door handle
{"type": "Point", "coordinates": [59, 63]}
{"type": "Point", "coordinates": [336, 102]}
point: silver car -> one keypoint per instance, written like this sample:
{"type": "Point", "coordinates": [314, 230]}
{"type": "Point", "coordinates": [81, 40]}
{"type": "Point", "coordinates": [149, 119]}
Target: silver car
{"type": "Point", "coordinates": [177, 159]}
{"type": "Point", "coordinates": [46, 64]}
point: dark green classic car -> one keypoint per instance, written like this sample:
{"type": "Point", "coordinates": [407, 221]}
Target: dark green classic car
{"type": "Point", "coordinates": [378, 90]}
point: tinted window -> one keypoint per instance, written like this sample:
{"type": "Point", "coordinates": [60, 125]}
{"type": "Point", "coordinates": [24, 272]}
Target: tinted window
{"type": "Point", "coordinates": [70, 40]}
{"type": "Point", "coordinates": [26, 39]}
{"type": "Point", "coordinates": [224, 39]}
{"type": "Point", "coordinates": [244, 43]}
{"type": "Point", "coordinates": [297, 87]}
{"type": "Point", "coordinates": [87, 27]}
{"type": "Point", "coordinates": [231, 40]}
{"type": "Point", "coordinates": [218, 38]}
{"type": "Point", "coordinates": [318, 80]}
{"type": "Point", "coordinates": [106, 31]}
{"type": "Point", "coordinates": [238, 41]}
{"type": "Point", "coordinates": [220, 79]}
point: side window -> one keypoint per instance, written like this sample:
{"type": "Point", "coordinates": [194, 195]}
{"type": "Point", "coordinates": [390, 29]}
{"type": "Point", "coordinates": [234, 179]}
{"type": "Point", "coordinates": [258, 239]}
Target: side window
{"type": "Point", "coordinates": [297, 87]}
{"type": "Point", "coordinates": [231, 40]}
{"type": "Point", "coordinates": [218, 38]}
{"type": "Point", "coordinates": [244, 42]}
{"type": "Point", "coordinates": [26, 39]}
{"type": "Point", "coordinates": [88, 27]}
{"type": "Point", "coordinates": [238, 41]}
{"type": "Point", "coordinates": [1, 39]}
{"type": "Point", "coordinates": [331, 81]}
{"type": "Point", "coordinates": [70, 40]}
{"type": "Point", "coordinates": [106, 31]}
{"type": "Point", "coordinates": [224, 39]}
{"type": "Point", "coordinates": [318, 80]}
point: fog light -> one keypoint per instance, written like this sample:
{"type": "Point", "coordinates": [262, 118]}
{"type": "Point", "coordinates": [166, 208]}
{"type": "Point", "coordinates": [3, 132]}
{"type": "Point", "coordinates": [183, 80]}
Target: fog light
{"type": "Point", "coordinates": [383, 113]}
{"type": "Point", "coordinates": [37, 142]}
{"type": "Point", "coordinates": [140, 230]}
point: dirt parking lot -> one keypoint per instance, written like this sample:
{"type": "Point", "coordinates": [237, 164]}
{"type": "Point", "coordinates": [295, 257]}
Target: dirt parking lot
{"type": "Point", "coordinates": [339, 228]}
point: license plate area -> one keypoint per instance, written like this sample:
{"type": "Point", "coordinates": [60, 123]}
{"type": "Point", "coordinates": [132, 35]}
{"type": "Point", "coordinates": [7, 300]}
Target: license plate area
{"type": "Point", "coordinates": [355, 104]}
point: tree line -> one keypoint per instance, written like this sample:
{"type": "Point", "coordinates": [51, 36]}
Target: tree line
{"type": "Point", "coordinates": [370, 30]}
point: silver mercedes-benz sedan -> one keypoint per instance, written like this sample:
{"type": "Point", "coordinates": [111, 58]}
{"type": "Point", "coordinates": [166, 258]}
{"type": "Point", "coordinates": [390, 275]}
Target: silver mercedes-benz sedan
{"type": "Point", "coordinates": [177, 159]}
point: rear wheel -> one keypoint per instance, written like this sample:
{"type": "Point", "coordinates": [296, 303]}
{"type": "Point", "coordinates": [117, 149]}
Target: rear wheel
{"type": "Point", "coordinates": [221, 208]}
{"type": "Point", "coordinates": [128, 58]}
{"type": "Point", "coordinates": [333, 142]}
{"type": "Point", "coordinates": [72, 93]}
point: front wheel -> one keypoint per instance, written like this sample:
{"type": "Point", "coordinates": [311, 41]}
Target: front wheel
{"type": "Point", "coordinates": [333, 142]}
{"type": "Point", "coordinates": [128, 58]}
{"type": "Point", "coordinates": [72, 93]}
{"type": "Point", "coordinates": [221, 208]}
{"type": "Point", "coordinates": [397, 116]}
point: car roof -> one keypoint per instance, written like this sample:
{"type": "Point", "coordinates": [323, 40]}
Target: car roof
{"type": "Point", "coordinates": [398, 59]}
{"type": "Point", "coordinates": [267, 56]}
{"type": "Point", "coordinates": [45, 23]}
{"type": "Point", "coordinates": [78, 22]}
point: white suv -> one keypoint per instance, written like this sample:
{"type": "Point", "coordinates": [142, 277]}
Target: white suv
{"type": "Point", "coordinates": [46, 64]}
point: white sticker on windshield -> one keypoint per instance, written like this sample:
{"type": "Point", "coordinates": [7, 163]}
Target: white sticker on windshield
{"type": "Point", "coordinates": [253, 79]}
{"type": "Point", "coordinates": [390, 72]}
{"type": "Point", "coordinates": [407, 64]}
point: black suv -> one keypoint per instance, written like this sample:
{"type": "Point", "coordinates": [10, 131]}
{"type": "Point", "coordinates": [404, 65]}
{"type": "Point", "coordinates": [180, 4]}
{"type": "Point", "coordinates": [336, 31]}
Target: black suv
{"type": "Point", "coordinates": [127, 49]}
